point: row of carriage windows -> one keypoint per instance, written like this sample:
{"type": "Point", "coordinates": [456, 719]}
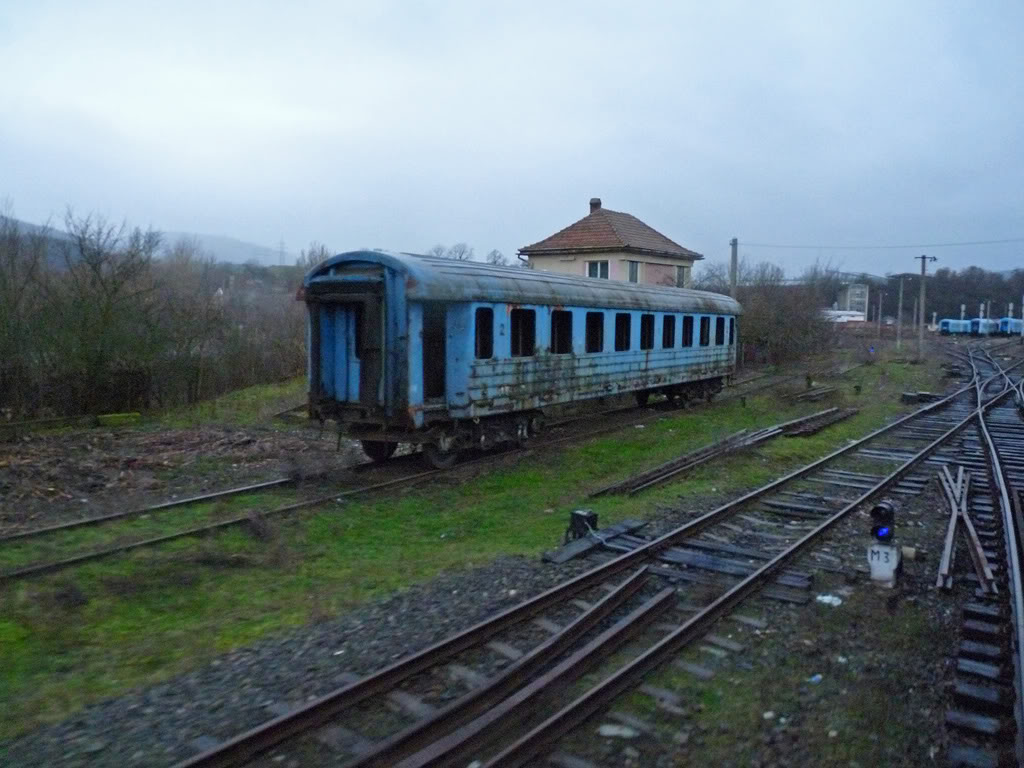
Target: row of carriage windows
{"type": "Point", "coordinates": [523, 332]}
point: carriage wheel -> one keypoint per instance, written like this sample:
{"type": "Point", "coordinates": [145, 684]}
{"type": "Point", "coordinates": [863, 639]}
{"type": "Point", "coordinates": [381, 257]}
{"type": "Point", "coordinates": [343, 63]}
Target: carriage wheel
{"type": "Point", "coordinates": [641, 397]}
{"type": "Point", "coordinates": [378, 450]}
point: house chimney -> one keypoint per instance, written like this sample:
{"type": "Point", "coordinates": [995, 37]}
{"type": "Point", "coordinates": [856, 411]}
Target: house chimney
{"type": "Point", "coordinates": [595, 204]}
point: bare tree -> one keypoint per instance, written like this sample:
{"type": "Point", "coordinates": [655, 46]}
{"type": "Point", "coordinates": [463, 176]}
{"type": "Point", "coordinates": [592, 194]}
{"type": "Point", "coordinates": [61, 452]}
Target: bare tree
{"type": "Point", "coordinates": [310, 257]}
{"type": "Point", "coordinates": [191, 318]}
{"type": "Point", "coordinates": [22, 269]}
{"type": "Point", "coordinates": [712, 277]}
{"type": "Point", "coordinates": [105, 293]}
{"type": "Point", "coordinates": [782, 319]}
{"type": "Point", "coordinates": [457, 252]}
{"type": "Point", "coordinates": [497, 258]}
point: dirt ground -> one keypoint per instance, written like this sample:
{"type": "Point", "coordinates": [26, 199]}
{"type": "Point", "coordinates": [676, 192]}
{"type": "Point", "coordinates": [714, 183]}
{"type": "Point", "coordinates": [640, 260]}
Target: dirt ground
{"type": "Point", "coordinates": [49, 478]}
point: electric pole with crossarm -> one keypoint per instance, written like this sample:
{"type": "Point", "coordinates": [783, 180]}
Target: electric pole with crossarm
{"type": "Point", "coordinates": [920, 307]}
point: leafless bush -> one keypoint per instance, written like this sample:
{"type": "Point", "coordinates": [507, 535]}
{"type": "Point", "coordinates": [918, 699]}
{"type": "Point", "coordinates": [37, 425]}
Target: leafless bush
{"type": "Point", "coordinates": [782, 319]}
{"type": "Point", "coordinates": [100, 318]}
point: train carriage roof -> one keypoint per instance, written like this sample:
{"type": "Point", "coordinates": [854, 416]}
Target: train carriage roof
{"type": "Point", "coordinates": [429, 278]}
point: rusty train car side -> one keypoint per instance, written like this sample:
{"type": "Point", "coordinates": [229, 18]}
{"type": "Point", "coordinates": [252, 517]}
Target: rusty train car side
{"type": "Point", "coordinates": [454, 355]}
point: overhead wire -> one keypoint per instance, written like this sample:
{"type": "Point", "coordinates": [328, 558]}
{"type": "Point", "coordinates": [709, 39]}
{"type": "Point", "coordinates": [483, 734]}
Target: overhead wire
{"type": "Point", "coordinates": [885, 247]}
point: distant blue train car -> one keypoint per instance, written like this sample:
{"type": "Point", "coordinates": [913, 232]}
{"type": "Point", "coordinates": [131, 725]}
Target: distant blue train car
{"type": "Point", "coordinates": [949, 327]}
{"type": "Point", "coordinates": [983, 326]}
{"type": "Point", "coordinates": [1010, 326]}
{"type": "Point", "coordinates": [452, 355]}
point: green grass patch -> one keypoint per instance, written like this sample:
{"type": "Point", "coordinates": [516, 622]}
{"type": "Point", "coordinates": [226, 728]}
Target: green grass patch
{"type": "Point", "coordinates": [79, 636]}
{"type": "Point", "coordinates": [243, 407]}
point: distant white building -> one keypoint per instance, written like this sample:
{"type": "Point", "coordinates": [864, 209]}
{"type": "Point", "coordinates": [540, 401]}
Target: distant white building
{"type": "Point", "coordinates": [842, 316]}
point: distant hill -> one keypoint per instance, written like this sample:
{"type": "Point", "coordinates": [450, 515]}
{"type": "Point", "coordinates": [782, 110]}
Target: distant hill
{"type": "Point", "coordinates": [231, 249]}
{"type": "Point", "coordinates": [222, 248]}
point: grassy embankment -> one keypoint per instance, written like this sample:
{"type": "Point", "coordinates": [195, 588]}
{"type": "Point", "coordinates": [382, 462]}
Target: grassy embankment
{"type": "Point", "coordinates": [79, 636]}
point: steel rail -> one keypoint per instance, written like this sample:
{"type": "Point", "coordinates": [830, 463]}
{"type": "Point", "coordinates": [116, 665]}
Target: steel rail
{"type": "Point", "coordinates": [517, 706]}
{"type": "Point", "coordinates": [577, 712]}
{"type": "Point", "coordinates": [145, 510]}
{"type": "Point", "coordinates": [248, 744]}
{"type": "Point", "coordinates": [37, 569]}
{"type": "Point", "coordinates": [1013, 532]}
{"type": "Point", "coordinates": [470, 705]}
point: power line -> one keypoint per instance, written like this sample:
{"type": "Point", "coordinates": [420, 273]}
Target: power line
{"type": "Point", "coordinates": [884, 247]}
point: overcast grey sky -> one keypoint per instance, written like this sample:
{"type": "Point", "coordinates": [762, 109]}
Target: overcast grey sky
{"type": "Point", "coordinates": [400, 125]}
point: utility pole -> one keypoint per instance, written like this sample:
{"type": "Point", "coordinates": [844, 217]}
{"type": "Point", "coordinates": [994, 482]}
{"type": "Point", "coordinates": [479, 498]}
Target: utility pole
{"type": "Point", "coordinates": [988, 308]}
{"type": "Point", "coordinates": [881, 296]}
{"type": "Point", "coordinates": [920, 330]}
{"type": "Point", "coordinates": [734, 264]}
{"type": "Point", "coordinates": [899, 318]}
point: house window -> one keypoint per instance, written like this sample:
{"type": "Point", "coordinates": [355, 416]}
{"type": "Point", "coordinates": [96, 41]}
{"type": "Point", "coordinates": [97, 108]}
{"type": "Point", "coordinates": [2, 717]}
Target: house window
{"type": "Point", "coordinates": [597, 269]}
{"type": "Point", "coordinates": [646, 331]}
{"type": "Point", "coordinates": [484, 333]}
{"type": "Point", "coordinates": [682, 277]}
{"type": "Point", "coordinates": [719, 331]}
{"type": "Point", "coordinates": [688, 331]}
{"type": "Point", "coordinates": [732, 331]}
{"type": "Point", "coordinates": [668, 332]}
{"type": "Point", "coordinates": [523, 324]}
{"type": "Point", "coordinates": [634, 271]}
{"type": "Point", "coordinates": [561, 332]}
{"type": "Point", "coordinates": [595, 332]}
{"type": "Point", "coordinates": [621, 331]}
{"type": "Point", "coordinates": [705, 331]}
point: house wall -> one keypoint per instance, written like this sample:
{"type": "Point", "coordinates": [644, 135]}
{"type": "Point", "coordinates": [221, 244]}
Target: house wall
{"type": "Point", "coordinates": [654, 271]}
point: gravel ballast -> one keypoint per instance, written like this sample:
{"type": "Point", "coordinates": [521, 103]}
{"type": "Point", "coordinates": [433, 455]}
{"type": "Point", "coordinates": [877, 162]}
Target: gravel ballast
{"type": "Point", "coordinates": [241, 689]}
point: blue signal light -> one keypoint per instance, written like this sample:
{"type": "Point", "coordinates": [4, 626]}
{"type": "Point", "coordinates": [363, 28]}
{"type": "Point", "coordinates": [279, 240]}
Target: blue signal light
{"type": "Point", "coordinates": [882, 532]}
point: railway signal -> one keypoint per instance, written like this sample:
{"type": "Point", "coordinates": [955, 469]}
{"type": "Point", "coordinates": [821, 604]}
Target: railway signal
{"type": "Point", "coordinates": [883, 557]}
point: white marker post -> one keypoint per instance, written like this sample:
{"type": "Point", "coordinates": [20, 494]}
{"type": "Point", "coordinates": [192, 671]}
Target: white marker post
{"type": "Point", "coordinates": [884, 558]}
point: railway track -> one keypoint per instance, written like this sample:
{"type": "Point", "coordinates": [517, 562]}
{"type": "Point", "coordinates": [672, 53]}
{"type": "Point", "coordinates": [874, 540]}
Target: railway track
{"type": "Point", "coordinates": [986, 719]}
{"type": "Point", "coordinates": [509, 713]}
{"type": "Point", "coordinates": [390, 476]}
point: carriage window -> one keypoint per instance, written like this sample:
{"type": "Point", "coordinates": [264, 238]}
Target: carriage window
{"type": "Point", "coordinates": [732, 331]}
{"type": "Point", "coordinates": [484, 333]}
{"type": "Point", "coordinates": [621, 332]}
{"type": "Point", "coordinates": [719, 330]}
{"type": "Point", "coordinates": [688, 331]}
{"type": "Point", "coordinates": [705, 331]}
{"type": "Point", "coordinates": [523, 331]}
{"type": "Point", "coordinates": [597, 269]}
{"type": "Point", "coordinates": [668, 332]}
{"type": "Point", "coordinates": [646, 331]}
{"type": "Point", "coordinates": [561, 332]}
{"type": "Point", "coordinates": [595, 332]}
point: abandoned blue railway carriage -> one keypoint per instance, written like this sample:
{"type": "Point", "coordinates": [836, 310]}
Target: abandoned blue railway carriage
{"type": "Point", "coordinates": [949, 326]}
{"type": "Point", "coordinates": [452, 355]}
{"type": "Point", "coordinates": [983, 326]}
{"type": "Point", "coordinates": [1010, 326]}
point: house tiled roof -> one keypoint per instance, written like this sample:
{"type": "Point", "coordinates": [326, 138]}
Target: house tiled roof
{"type": "Point", "coordinates": [605, 230]}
